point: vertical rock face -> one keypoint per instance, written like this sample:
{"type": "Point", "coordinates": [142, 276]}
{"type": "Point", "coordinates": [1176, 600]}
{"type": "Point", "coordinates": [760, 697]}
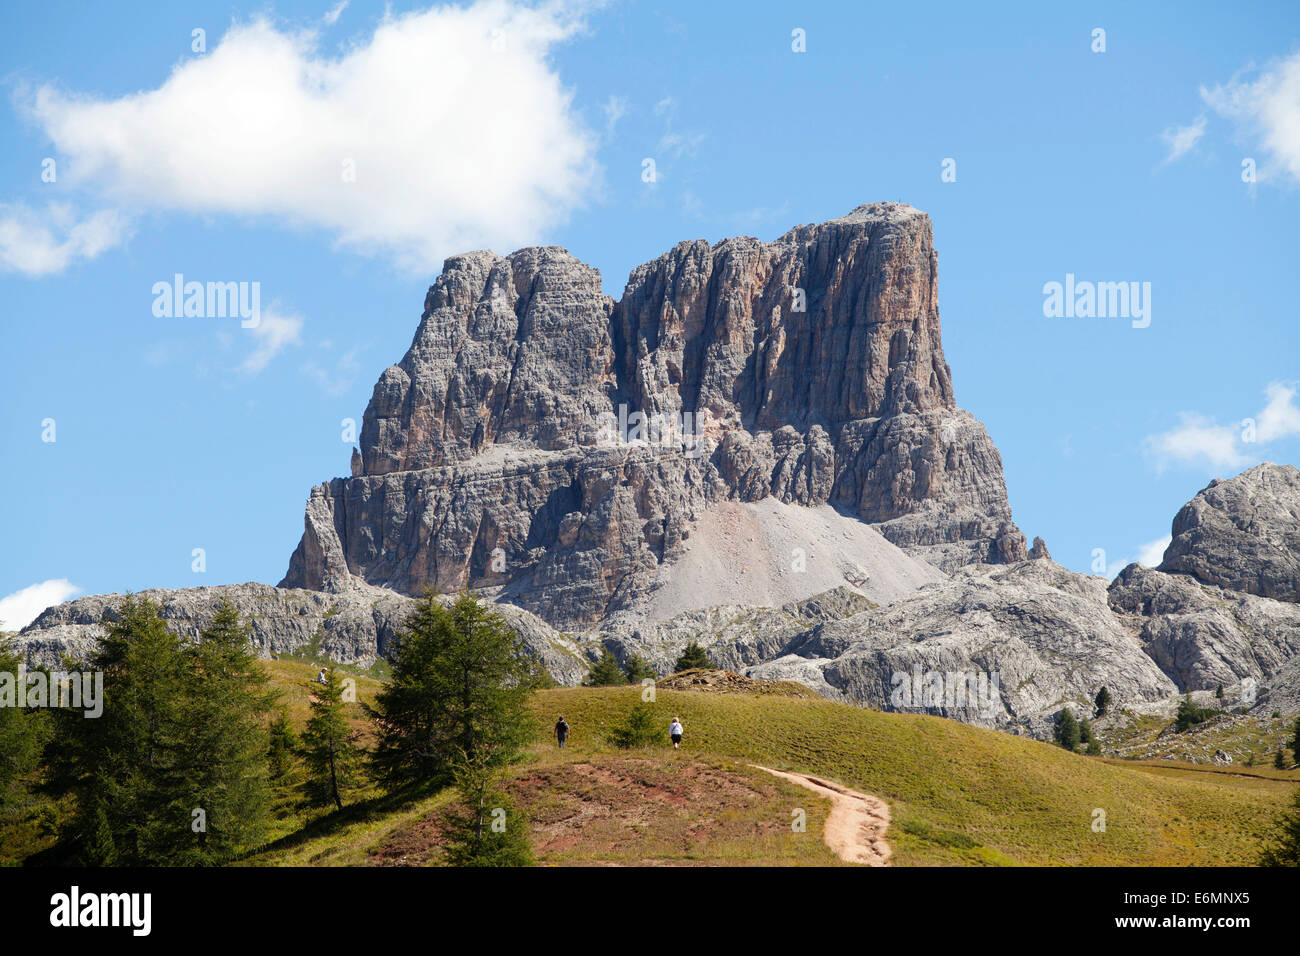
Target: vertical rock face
{"type": "Point", "coordinates": [509, 350]}
{"type": "Point", "coordinates": [810, 368]}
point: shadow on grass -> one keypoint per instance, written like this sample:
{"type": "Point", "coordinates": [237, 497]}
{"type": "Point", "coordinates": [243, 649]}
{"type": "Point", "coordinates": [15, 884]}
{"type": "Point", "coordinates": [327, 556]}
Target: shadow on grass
{"type": "Point", "coordinates": [364, 811]}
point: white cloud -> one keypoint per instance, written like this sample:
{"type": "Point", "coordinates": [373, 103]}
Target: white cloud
{"type": "Point", "coordinates": [1181, 139]}
{"type": "Point", "coordinates": [43, 243]}
{"type": "Point", "coordinates": [332, 16]}
{"type": "Point", "coordinates": [1153, 552]}
{"type": "Point", "coordinates": [1113, 568]}
{"type": "Point", "coordinates": [459, 130]}
{"type": "Point", "coordinates": [19, 609]}
{"type": "Point", "coordinates": [1267, 112]}
{"type": "Point", "coordinates": [680, 144]}
{"type": "Point", "coordinates": [1150, 554]}
{"type": "Point", "coordinates": [1280, 418]}
{"type": "Point", "coordinates": [1199, 440]}
{"type": "Point", "coordinates": [273, 333]}
{"type": "Point", "coordinates": [615, 109]}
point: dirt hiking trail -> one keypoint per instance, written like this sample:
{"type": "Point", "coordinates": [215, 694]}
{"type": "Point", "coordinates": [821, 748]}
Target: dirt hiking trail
{"type": "Point", "coordinates": [855, 828]}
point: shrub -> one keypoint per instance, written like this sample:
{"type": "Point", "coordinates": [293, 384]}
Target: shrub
{"type": "Point", "coordinates": [639, 729]}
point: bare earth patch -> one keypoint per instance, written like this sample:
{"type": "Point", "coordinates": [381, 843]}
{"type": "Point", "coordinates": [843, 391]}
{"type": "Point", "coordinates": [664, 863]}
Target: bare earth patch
{"type": "Point", "coordinates": [856, 827]}
{"type": "Point", "coordinates": [646, 811]}
{"type": "Point", "coordinates": [656, 810]}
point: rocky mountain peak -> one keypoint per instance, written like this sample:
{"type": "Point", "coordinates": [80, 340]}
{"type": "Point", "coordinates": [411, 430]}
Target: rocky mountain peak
{"type": "Point", "coordinates": [510, 449]}
{"type": "Point", "coordinates": [1242, 533]}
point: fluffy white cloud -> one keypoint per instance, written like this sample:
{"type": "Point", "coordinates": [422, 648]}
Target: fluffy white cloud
{"type": "Point", "coordinates": [1150, 554]}
{"type": "Point", "coordinates": [1199, 440]}
{"type": "Point", "coordinates": [272, 335]}
{"type": "Point", "coordinates": [1280, 417]}
{"type": "Point", "coordinates": [1267, 110]}
{"type": "Point", "coordinates": [19, 609]}
{"type": "Point", "coordinates": [45, 242]}
{"type": "Point", "coordinates": [1153, 552]}
{"type": "Point", "coordinates": [458, 130]}
{"type": "Point", "coordinates": [1181, 139]}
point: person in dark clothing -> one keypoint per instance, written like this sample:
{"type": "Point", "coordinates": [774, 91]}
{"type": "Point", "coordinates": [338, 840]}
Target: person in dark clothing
{"type": "Point", "coordinates": [561, 730]}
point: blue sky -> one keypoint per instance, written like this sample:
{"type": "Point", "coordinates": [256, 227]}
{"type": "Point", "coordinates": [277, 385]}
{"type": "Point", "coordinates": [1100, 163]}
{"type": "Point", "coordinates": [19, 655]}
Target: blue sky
{"type": "Point", "coordinates": [500, 126]}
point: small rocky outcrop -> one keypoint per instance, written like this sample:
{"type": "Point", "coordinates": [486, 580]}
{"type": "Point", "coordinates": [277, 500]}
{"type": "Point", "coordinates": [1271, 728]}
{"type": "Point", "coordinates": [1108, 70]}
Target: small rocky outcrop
{"type": "Point", "coordinates": [1242, 534]}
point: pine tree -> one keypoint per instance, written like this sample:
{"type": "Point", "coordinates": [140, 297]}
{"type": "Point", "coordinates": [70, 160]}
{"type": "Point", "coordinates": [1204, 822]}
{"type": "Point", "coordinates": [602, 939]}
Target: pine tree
{"type": "Point", "coordinates": [460, 684]}
{"type": "Point", "coordinates": [222, 770]}
{"type": "Point", "coordinates": [1102, 702]}
{"type": "Point", "coordinates": [282, 748]}
{"type": "Point", "coordinates": [1085, 731]}
{"type": "Point", "coordinates": [636, 669]}
{"type": "Point", "coordinates": [639, 729]}
{"type": "Point", "coordinates": [693, 657]}
{"type": "Point", "coordinates": [606, 672]}
{"type": "Point", "coordinates": [1285, 850]}
{"type": "Point", "coordinates": [1279, 760]}
{"type": "Point", "coordinates": [1189, 715]}
{"type": "Point", "coordinates": [122, 767]}
{"type": "Point", "coordinates": [1067, 729]}
{"type": "Point", "coordinates": [1295, 740]}
{"type": "Point", "coordinates": [330, 746]}
{"type": "Point", "coordinates": [22, 733]}
{"type": "Point", "coordinates": [487, 828]}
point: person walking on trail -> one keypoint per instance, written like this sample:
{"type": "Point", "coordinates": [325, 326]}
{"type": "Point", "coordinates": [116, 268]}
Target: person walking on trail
{"type": "Point", "coordinates": [561, 730]}
{"type": "Point", "coordinates": [675, 732]}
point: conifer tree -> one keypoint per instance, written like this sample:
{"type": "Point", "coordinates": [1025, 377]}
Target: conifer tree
{"type": "Point", "coordinates": [486, 828]}
{"type": "Point", "coordinates": [123, 765]}
{"type": "Point", "coordinates": [1102, 702]}
{"type": "Point", "coordinates": [639, 728]}
{"type": "Point", "coordinates": [282, 748]}
{"type": "Point", "coordinates": [1085, 731]}
{"type": "Point", "coordinates": [693, 657]}
{"type": "Point", "coordinates": [1285, 848]}
{"type": "Point", "coordinates": [222, 770]}
{"type": "Point", "coordinates": [330, 746]}
{"type": "Point", "coordinates": [606, 672]}
{"type": "Point", "coordinates": [21, 735]}
{"type": "Point", "coordinates": [636, 669]}
{"type": "Point", "coordinates": [1067, 729]}
{"type": "Point", "coordinates": [460, 682]}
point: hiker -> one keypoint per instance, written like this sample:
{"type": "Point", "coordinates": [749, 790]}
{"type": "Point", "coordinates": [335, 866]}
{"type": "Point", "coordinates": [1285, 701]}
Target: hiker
{"type": "Point", "coordinates": [675, 732]}
{"type": "Point", "coordinates": [320, 678]}
{"type": "Point", "coordinates": [561, 730]}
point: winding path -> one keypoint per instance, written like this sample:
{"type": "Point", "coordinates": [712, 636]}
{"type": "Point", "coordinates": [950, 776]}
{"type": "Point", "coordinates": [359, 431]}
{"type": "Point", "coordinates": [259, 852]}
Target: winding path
{"type": "Point", "coordinates": [855, 828]}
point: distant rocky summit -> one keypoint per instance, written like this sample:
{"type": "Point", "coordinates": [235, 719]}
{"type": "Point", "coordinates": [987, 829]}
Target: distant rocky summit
{"type": "Point", "coordinates": [497, 453]}
{"type": "Point", "coordinates": [758, 449]}
{"type": "Point", "coordinates": [1243, 534]}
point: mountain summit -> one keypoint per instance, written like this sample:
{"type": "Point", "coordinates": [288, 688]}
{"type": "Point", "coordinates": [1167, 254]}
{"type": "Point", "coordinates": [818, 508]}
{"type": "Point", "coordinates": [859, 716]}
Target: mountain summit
{"type": "Point", "coordinates": [555, 448]}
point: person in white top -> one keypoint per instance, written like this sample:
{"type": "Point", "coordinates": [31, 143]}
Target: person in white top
{"type": "Point", "coordinates": [675, 732]}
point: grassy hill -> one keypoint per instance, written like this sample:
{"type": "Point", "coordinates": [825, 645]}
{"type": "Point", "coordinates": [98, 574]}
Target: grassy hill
{"type": "Point", "coordinates": [959, 795]}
